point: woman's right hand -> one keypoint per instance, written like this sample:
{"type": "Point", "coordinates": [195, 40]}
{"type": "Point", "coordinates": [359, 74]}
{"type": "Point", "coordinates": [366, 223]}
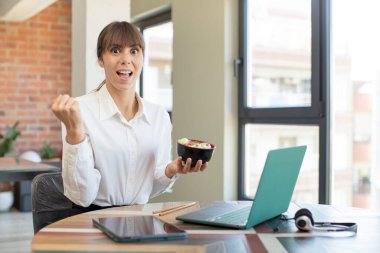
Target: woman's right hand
{"type": "Point", "coordinates": [66, 109]}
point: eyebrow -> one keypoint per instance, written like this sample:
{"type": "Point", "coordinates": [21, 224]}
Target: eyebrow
{"type": "Point", "coordinates": [135, 45]}
{"type": "Point", "coordinates": [120, 46]}
{"type": "Point", "coordinates": [115, 45]}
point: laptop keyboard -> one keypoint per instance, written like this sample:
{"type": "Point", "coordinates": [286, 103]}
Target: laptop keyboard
{"type": "Point", "coordinates": [239, 216]}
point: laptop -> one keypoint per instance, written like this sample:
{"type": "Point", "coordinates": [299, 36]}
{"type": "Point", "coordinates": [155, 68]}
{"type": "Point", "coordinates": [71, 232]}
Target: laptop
{"type": "Point", "coordinates": [273, 194]}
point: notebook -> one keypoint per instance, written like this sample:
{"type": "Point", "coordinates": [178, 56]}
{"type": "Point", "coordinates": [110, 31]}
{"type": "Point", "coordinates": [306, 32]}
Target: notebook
{"type": "Point", "coordinates": [272, 198]}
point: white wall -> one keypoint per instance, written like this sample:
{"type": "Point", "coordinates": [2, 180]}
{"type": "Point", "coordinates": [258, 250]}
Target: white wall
{"type": "Point", "coordinates": [205, 44]}
{"type": "Point", "coordinates": [89, 17]}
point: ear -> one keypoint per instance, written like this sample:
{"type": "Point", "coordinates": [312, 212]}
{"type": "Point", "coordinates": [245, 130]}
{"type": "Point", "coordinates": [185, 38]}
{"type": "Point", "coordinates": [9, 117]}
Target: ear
{"type": "Point", "coordinates": [100, 61]}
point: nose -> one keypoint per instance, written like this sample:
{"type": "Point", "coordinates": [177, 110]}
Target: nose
{"type": "Point", "coordinates": [126, 58]}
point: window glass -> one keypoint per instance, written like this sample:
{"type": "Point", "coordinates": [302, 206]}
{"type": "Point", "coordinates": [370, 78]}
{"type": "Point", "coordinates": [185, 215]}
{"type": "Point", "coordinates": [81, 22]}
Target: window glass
{"type": "Point", "coordinates": [260, 138]}
{"type": "Point", "coordinates": [355, 95]}
{"type": "Point", "coordinates": [157, 72]}
{"type": "Point", "coordinates": [279, 60]}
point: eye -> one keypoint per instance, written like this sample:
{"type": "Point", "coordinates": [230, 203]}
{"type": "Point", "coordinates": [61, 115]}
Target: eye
{"type": "Point", "coordinates": [135, 51]}
{"type": "Point", "coordinates": [115, 50]}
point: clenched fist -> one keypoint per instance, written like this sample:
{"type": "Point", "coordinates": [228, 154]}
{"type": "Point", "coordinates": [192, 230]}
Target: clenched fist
{"type": "Point", "coordinates": [66, 109]}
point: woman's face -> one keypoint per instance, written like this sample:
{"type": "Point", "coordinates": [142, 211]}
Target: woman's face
{"type": "Point", "coordinates": [122, 66]}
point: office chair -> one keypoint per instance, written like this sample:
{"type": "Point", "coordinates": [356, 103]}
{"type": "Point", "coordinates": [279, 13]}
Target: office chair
{"type": "Point", "coordinates": [49, 204]}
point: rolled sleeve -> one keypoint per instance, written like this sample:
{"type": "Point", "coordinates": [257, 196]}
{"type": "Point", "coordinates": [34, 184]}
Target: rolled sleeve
{"type": "Point", "coordinates": [81, 180]}
{"type": "Point", "coordinates": [162, 183]}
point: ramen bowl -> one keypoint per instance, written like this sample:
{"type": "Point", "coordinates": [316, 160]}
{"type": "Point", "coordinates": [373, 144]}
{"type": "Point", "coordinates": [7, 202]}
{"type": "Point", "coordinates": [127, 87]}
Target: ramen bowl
{"type": "Point", "coordinates": [195, 149]}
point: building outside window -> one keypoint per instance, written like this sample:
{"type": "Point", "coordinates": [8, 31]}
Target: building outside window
{"type": "Point", "coordinates": [311, 75]}
{"type": "Point", "coordinates": [278, 91]}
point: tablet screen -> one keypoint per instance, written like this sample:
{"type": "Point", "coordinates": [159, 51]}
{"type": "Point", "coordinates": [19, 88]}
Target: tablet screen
{"type": "Point", "coordinates": [138, 228]}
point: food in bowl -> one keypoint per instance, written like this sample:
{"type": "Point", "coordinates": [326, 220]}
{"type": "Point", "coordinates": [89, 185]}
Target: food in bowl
{"type": "Point", "coordinates": [194, 143]}
{"type": "Point", "coordinates": [194, 149]}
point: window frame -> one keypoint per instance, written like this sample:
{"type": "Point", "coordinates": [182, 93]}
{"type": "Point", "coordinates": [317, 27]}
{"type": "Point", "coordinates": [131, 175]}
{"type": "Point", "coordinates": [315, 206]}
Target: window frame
{"type": "Point", "coordinates": [318, 114]}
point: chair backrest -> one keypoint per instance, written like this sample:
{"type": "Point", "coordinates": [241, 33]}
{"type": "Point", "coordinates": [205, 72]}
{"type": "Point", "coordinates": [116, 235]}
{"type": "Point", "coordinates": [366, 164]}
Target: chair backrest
{"type": "Point", "coordinates": [49, 204]}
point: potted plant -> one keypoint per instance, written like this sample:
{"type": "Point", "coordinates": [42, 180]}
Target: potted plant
{"type": "Point", "coordinates": [6, 196]}
{"type": "Point", "coordinates": [6, 141]}
{"type": "Point", "coordinates": [6, 146]}
{"type": "Point", "coordinates": [49, 154]}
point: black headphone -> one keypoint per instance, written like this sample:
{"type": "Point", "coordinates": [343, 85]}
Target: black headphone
{"type": "Point", "coordinates": [305, 222]}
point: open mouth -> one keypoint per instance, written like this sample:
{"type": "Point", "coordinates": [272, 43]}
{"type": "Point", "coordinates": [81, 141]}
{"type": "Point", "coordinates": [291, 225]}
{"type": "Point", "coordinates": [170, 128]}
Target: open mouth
{"type": "Point", "coordinates": [124, 73]}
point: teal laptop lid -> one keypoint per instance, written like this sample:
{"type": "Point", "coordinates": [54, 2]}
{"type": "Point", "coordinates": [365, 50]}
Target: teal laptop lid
{"type": "Point", "coordinates": [273, 195]}
{"type": "Point", "coordinates": [277, 183]}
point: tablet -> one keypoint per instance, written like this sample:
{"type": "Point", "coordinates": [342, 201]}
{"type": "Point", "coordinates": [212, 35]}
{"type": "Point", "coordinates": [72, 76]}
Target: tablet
{"type": "Point", "coordinates": [138, 228]}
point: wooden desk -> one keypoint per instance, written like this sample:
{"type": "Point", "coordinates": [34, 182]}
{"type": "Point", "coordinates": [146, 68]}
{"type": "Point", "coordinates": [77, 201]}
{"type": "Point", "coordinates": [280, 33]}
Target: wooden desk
{"type": "Point", "coordinates": [12, 169]}
{"type": "Point", "coordinates": [22, 172]}
{"type": "Point", "coordinates": [77, 234]}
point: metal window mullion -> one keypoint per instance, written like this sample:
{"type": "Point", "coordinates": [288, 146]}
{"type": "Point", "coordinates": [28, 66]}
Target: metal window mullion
{"type": "Point", "coordinates": [242, 101]}
{"type": "Point", "coordinates": [325, 144]}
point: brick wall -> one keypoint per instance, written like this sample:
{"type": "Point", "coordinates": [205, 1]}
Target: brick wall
{"type": "Point", "coordinates": [35, 66]}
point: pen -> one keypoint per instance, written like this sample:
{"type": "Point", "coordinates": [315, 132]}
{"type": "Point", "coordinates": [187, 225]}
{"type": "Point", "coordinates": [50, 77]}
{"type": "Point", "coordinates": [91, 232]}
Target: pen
{"type": "Point", "coordinates": [173, 209]}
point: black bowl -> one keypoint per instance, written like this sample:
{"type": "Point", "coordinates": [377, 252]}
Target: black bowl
{"type": "Point", "coordinates": [195, 153]}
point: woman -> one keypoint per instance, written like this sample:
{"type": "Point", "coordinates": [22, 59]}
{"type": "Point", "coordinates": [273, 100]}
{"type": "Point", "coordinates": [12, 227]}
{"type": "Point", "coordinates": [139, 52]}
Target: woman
{"type": "Point", "coordinates": [116, 145]}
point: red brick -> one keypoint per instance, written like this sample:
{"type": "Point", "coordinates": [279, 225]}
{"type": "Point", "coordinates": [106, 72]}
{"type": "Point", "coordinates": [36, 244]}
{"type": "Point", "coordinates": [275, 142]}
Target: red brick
{"type": "Point", "coordinates": [35, 66]}
{"type": "Point", "coordinates": [28, 121]}
{"type": "Point", "coordinates": [47, 136]}
{"type": "Point", "coordinates": [27, 76]}
{"type": "Point", "coordinates": [30, 61]}
{"type": "Point", "coordinates": [8, 60]}
{"type": "Point", "coordinates": [26, 33]}
{"type": "Point", "coordinates": [59, 85]}
{"type": "Point", "coordinates": [66, 78]}
{"type": "Point", "coordinates": [28, 105]}
{"type": "Point", "coordinates": [8, 91]}
{"type": "Point", "coordinates": [10, 44]}
{"type": "Point", "coordinates": [47, 62]}
{"type": "Point", "coordinates": [28, 47]}
{"type": "Point", "coordinates": [7, 121]}
{"type": "Point", "coordinates": [14, 98]}
{"type": "Point", "coordinates": [38, 40]}
{"type": "Point", "coordinates": [38, 54]}
{"type": "Point", "coordinates": [7, 106]}
{"type": "Point", "coordinates": [49, 77]}
{"type": "Point", "coordinates": [60, 27]}
{"type": "Point", "coordinates": [39, 99]}
{"type": "Point", "coordinates": [37, 25]}
{"type": "Point", "coordinates": [48, 47]}
{"type": "Point", "coordinates": [17, 38]}
{"type": "Point", "coordinates": [49, 92]}
{"type": "Point", "coordinates": [17, 53]}
{"type": "Point", "coordinates": [49, 121]}
{"type": "Point", "coordinates": [27, 91]}
{"type": "Point", "coordinates": [17, 68]}
{"type": "Point", "coordinates": [26, 135]}
{"type": "Point", "coordinates": [49, 19]}
{"type": "Point", "coordinates": [37, 69]}
{"type": "Point", "coordinates": [6, 76]}
{"type": "Point", "coordinates": [49, 33]}
{"type": "Point", "coordinates": [56, 128]}
{"type": "Point", "coordinates": [58, 41]}
{"type": "Point", "coordinates": [40, 84]}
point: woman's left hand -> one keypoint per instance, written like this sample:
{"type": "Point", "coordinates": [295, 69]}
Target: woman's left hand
{"type": "Point", "coordinates": [176, 166]}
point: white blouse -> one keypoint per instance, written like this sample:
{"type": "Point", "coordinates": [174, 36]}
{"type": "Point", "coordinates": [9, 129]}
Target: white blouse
{"type": "Point", "coordinates": [120, 162]}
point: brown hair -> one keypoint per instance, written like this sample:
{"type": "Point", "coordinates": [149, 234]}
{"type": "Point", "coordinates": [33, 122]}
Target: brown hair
{"type": "Point", "coordinates": [119, 33]}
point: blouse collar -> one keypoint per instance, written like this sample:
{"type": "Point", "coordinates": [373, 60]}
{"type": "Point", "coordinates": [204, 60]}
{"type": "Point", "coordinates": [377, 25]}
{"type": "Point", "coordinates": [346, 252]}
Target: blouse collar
{"type": "Point", "coordinates": [108, 108]}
